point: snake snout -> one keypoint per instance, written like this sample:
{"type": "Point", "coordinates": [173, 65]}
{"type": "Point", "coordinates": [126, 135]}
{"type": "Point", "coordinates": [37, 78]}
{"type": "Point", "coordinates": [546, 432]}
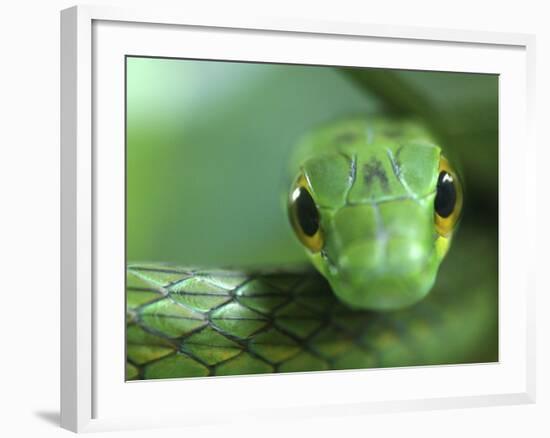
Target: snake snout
{"type": "Point", "coordinates": [398, 257]}
{"type": "Point", "coordinates": [384, 275]}
{"type": "Point", "coordinates": [382, 256]}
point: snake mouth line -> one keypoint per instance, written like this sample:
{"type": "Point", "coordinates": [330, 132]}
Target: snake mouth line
{"type": "Point", "coordinates": [333, 268]}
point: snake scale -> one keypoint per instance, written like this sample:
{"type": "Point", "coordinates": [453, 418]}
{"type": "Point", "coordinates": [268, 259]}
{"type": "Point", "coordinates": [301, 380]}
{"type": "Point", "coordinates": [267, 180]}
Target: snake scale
{"type": "Point", "coordinates": [192, 323]}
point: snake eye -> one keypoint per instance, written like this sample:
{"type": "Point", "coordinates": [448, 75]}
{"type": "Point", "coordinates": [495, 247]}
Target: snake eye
{"type": "Point", "coordinates": [448, 199]}
{"type": "Point", "coordinates": [304, 216]}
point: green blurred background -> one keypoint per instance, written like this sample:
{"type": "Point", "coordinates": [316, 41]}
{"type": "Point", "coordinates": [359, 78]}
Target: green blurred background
{"type": "Point", "coordinates": [208, 145]}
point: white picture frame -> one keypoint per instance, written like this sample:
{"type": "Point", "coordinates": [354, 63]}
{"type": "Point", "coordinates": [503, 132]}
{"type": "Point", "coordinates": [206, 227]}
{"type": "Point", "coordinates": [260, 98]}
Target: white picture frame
{"type": "Point", "coordinates": [94, 395]}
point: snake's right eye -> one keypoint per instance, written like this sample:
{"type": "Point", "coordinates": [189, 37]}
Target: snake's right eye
{"type": "Point", "coordinates": [304, 216]}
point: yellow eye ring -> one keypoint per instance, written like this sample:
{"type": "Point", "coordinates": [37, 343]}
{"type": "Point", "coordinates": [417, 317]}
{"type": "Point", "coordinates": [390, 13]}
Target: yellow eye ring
{"type": "Point", "coordinates": [448, 200]}
{"type": "Point", "coordinates": [304, 215]}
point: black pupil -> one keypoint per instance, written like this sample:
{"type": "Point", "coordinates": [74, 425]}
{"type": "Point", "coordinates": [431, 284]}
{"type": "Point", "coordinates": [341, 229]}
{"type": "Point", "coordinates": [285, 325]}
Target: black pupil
{"type": "Point", "coordinates": [307, 213]}
{"type": "Point", "coordinates": [445, 199]}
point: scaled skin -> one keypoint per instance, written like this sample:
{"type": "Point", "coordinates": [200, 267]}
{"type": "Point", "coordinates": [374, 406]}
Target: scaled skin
{"type": "Point", "coordinates": [374, 184]}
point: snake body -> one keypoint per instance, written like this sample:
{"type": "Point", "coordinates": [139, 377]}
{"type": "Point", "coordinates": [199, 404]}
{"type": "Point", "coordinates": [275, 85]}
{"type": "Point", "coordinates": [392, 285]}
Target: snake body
{"type": "Point", "coordinates": [364, 203]}
{"type": "Point", "coordinates": [185, 323]}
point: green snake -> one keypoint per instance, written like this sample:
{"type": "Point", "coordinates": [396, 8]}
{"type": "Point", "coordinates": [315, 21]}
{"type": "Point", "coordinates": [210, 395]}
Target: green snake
{"type": "Point", "coordinates": [375, 203]}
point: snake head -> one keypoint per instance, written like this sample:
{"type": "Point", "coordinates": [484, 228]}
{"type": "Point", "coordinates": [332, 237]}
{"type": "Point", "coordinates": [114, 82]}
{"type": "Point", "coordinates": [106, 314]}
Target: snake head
{"type": "Point", "coordinates": [377, 219]}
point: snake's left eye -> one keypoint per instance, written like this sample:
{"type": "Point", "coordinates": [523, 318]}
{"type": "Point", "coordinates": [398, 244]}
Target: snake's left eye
{"type": "Point", "coordinates": [304, 216]}
{"type": "Point", "coordinates": [448, 199]}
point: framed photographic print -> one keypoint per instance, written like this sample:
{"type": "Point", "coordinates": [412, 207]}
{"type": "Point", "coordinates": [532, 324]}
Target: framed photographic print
{"type": "Point", "coordinates": [261, 218]}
